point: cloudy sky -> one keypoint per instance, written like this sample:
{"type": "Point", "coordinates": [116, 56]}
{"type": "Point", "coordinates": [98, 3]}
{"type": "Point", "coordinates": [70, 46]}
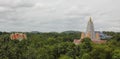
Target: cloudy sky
{"type": "Point", "coordinates": [59, 15]}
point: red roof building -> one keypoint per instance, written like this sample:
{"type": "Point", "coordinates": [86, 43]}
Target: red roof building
{"type": "Point", "coordinates": [18, 36]}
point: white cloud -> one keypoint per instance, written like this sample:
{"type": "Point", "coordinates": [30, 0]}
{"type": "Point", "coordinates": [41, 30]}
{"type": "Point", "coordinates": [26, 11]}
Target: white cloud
{"type": "Point", "coordinates": [58, 15]}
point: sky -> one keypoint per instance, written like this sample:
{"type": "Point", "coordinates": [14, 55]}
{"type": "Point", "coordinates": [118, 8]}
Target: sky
{"type": "Point", "coordinates": [59, 15]}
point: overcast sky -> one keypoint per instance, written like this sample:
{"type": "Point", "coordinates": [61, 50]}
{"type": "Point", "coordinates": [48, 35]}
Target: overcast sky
{"type": "Point", "coordinates": [59, 15]}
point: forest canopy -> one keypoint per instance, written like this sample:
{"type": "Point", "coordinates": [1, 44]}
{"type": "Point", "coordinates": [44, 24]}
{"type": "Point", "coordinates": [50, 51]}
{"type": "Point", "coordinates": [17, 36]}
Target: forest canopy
{"type": "Point", "coordinates": [55, 45]}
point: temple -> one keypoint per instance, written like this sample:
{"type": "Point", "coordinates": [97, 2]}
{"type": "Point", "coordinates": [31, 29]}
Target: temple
{"type": "Point", "coordinates": [18, 36]}
{"type": "Point", "coordinates": [90, 33]}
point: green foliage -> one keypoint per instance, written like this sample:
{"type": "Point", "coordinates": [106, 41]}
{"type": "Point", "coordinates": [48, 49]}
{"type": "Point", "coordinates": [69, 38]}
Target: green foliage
{"type": "Point", "coordinates": [101, 52]}
{"type": "Point", "coordinates": [65, 57]}
{"type": "Point", "coordinates": [86, 44]}
{"type": "Point", "coordinates": [86, 56]}
{"type": "Point", "coordinates": [116, 54]}
{"type": "Point", "coordinates": [57, 46]}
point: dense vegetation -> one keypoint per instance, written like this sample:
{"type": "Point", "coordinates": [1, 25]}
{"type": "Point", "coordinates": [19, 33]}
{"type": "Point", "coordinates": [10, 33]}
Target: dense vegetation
{"type": "Point", "coordinates": [58, 46]}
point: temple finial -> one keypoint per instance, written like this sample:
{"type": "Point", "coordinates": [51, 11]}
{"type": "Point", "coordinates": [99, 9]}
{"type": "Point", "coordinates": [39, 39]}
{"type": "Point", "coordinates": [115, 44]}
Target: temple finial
{"type": "Point", "coordinates": [90, 19]}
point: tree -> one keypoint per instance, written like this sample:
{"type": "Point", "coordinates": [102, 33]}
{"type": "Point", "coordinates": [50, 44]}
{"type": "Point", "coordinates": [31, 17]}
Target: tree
{"type": "Point", "coordinates": [116, 54]}
{"type": "Point", "coordinates": [86, 44]}
{"type": "Point", "coordinates": [86, 56]}
{"type": "Point", "coordinates": [64, 57]}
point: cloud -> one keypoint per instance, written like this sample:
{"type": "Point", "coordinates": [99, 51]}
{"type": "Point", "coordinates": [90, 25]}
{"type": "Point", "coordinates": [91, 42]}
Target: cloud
{"type": "Point", "coordinates": [58, 15]}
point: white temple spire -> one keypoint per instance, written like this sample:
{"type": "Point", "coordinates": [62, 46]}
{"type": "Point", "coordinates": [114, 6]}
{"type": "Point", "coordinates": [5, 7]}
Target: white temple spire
{"type": "Point", "coordinates": [90, 29]}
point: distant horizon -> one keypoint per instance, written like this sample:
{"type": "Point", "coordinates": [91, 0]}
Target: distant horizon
{"type": "Point", "coordinates": [56, 31]}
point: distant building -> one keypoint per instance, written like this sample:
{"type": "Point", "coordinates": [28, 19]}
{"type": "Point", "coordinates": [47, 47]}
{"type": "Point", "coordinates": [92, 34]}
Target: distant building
{"type": "Point", "coordinates": [18, 36]}
{"type": "Point", "coordinates": [90, 33]}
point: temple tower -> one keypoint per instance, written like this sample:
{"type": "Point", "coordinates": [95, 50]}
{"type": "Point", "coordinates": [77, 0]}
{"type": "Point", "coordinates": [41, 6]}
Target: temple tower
{"type": "Point", "coordinates": [90, 29]}
{"type": "Point", "coordinates": [82, 35]}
